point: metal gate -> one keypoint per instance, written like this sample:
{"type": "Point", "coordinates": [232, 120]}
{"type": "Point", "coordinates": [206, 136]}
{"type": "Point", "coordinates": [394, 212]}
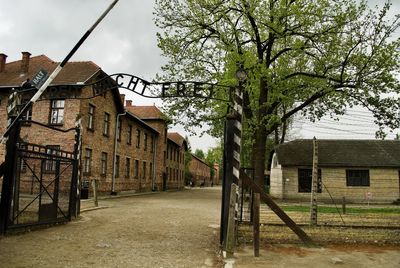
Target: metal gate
{"type": "Point", "coordinates": [39, 183]}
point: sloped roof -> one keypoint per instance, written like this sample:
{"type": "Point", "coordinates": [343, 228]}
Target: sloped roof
{"type": "Point", "coordinates": [341, 153]}
{"type": "Point", "coordinates": [146, 112]}
{"type": "Point", "coordinates": [200, 160]}
{"type": "Point", "coordinates": [72, 73]}
{"type": "Point", "coordinates": [141, 122]}
{"type": "Point", "coordinates": [177, 139]}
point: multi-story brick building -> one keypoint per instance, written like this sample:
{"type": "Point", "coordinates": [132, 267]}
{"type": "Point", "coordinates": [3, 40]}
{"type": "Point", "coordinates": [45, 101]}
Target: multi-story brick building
{"type": "Point", "coordinates": [128, 155]}
{"type": "Point", "coordinates": [200, 171]}
{"type": "Point", "coordinates": [175, 160]}
{"type": "Point", "coordinates": [170, 148]}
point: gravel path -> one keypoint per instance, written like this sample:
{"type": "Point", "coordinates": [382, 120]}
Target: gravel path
{"type": "Point", "coordinates": [173, 229]}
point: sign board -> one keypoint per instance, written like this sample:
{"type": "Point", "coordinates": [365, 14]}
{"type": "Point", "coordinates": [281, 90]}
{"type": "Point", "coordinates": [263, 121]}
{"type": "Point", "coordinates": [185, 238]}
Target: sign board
{"type": "Point", "coordinates": [39, 78]}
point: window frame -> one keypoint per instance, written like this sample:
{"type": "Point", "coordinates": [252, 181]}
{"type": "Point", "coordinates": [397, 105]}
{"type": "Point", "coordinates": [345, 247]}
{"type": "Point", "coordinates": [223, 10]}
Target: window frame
{"type": "Point", "coordinates": [106, 124]}
{"type": "Point", "coordinates": [302, 171]}
{"type": "Point", "coordinates": [50, 165]}
{"type": "Point", "coordinates": [145, 141]}
{"type": "Point", "coordinates": [129, 135]}
{"type": "Point", "coordinates": [103, 163]}
{"type": "Point", "coordinates": [127, 167]}
{"type": "Point", "coordinates": [54, 108]}
{"type": "Point", "coordinates": [356, 180]}
{"type": "Point", "coordinates": [144, 168]}
{"type": "Point", "coordinates": [91, 111]}
{"type": "Point", "coordinates": [138, 134]}
{"type": "Point", "coordinates": [136, 169]}
{"type": "Point", "coordinates": [117, 162]}
{"type": "Point", "coordinates": [87, 161]}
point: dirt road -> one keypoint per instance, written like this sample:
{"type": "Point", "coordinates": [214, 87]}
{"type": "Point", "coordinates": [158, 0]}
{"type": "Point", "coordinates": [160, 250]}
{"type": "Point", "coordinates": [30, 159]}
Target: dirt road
{"type": "Point", "coordinates": [173, 229]}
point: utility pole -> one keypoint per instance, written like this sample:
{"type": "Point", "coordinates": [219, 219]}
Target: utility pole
{"type": "Point", "coordinates": [314, 184]}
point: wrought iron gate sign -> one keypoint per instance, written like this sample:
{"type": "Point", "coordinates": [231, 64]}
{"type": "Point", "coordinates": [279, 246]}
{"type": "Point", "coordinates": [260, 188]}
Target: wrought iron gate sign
{"type": "Point", "coordinates": [187, 89]}
{"type": "Point", "coordinates": [180, 89]}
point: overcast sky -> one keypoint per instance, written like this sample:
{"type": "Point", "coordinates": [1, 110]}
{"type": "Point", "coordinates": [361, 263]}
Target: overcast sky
{"type": "Point", "coordinates": [125, 41]}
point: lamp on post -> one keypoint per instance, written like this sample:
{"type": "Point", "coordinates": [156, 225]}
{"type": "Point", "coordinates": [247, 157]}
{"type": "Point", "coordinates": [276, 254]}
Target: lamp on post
{"type": "Point", "coordinates": [241, 74]}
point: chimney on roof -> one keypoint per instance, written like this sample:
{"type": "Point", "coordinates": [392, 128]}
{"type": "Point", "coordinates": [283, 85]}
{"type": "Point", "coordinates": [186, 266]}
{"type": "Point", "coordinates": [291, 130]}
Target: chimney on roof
{"type": "Point", "coordinates": [128, 103]}
{"type": "Point", "coordinates": [25, 62]}
{"type": "Point", "coordinates": [3, 58]}
{"type": "Point", "coordinates": [122, 96]}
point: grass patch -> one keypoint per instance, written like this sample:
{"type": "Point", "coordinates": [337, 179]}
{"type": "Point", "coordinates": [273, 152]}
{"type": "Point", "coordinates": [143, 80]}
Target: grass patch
{"type": "Point", "coordinates": [324, 209]}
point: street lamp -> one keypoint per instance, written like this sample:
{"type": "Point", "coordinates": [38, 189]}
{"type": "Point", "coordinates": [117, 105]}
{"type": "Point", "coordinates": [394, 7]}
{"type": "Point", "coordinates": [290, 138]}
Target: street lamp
{"type": "Point", "coordinates": [241, 74]}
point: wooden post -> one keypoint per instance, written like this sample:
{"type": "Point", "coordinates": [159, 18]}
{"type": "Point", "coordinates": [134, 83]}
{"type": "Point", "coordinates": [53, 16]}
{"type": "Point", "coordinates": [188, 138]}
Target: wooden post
{"type": "Point", "coordinates": [314, 185]}
{"type": "Point", "coordinates": [247, 181]}
{"type": "Point", "coordinates": [256, 224]}
{"type": "Point", "coordinates": [344, 205]}
{"type": "Point", "coordinates": [94, 186]}
{"type": "Point", "coordinates": [230, 237]}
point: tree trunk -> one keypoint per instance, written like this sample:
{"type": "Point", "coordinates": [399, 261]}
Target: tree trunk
{"type": "Point", "coordinates": [261, 136]}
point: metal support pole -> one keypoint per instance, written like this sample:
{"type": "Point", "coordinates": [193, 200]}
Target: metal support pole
{"type": "Point", "coordinates": [256, 224]}
{"type": "Point", "coordinates": [314, 185]}
{"type": "Point", "coordinates": [231, 238]}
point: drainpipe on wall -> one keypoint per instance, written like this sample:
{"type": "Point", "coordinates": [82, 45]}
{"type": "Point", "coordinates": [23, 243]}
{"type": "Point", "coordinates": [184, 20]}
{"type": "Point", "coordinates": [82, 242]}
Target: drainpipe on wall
{"type": "Point", "coordinates": [113, 192]}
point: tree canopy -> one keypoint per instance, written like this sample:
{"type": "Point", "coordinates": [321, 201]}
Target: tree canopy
{"type": "Point", "coordinates": [300, 56]}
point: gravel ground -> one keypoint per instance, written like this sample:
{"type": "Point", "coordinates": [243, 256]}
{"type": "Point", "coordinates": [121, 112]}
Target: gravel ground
{"type": "Point", "coordinates": [173, 229]}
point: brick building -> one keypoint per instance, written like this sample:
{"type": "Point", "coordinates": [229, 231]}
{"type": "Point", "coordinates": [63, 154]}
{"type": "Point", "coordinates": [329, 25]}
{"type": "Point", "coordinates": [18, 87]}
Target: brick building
{"type": "Point", "coordinates": [170, 148]}
{"type": "Point", "coordinates": [200, 171]}
{"type": "Point", "coordinates": [128, 155]}
{"type": "Point", "coordinates": [216, 178]}
{"type": "Point", "coordinates": [175, 160]}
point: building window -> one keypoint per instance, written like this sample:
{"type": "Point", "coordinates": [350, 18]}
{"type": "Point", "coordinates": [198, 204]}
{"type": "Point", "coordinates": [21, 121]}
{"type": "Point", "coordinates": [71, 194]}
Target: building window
{"type": "Point", "coordinates": [91, 117]}
{"type": "Point", "coordinates": [106, 124]}
{"type": "Point", "coordinates": [355, 177]}
{"type": "Point", "coordinates": [152, 144]}
{"type": "Point", "coordinates": [57, 112]}
{"type": "Point", "coordinates": [144, 170]}
{"type": "Point", "coordinates": [103, 163]}
{"type": "Point", "coordinates": [151, 170]}
{"type": "Point", "coordinates": [117, 166]}
{"type": "Point", "coordinates": [167, 151]}
{"type": "Point", "coordinates": [145, 141]}
{"type": "Point", "coordinates": [129, 136]}
{"type": "Point", "coordinates": [127, 167]}
{"type": "Point", "coordinates": [50, 165]}
{"type": "Point", "coordinates": [87, 165]}
{"type": "Point", "coordinates": [137, 138]}
{"type": "Point", "coordinates": [136, 169]}
{"type": "Point", "coordinates": [119, 129]}
{"type": "Point", "coordinates": [305, 180]}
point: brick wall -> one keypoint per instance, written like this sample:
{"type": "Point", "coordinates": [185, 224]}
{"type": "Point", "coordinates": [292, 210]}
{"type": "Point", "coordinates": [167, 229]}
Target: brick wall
{"type": "Point", "coordinates": [175, 159]}
{"type": "Point", "coordinates": [200, 172]}
{"type": "Point", "coordinates": [160, 150]}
